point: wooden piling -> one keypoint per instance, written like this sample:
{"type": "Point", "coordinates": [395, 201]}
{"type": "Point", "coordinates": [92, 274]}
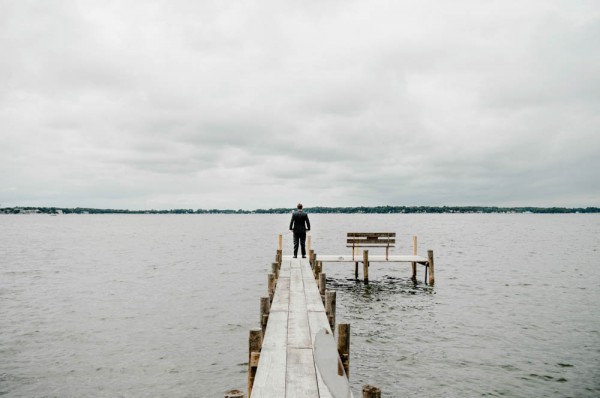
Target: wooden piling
{"type": "Point", "coordinates": [280, 242]}
{"type": "Point", "coordinates": [343, 346]}
{"type": "Point", "coordinates": [317, 269]}
{"type": "Point", "coordinates": [311, 257]}
{"type": "Point", "coordinates": [330, 301]}
{"type": "Point", "coordinates": [430, 266]}
{"type": "Point", "coordinates": [322, 284]}
{"type": "Point", "coordinates": [271, 286]}
{"type": "Point", "coordinates": [414, 264]}
{"type": "Point", "coordinates": [369, 391]}
{"type": "Point", "coordinates": [275, 270]}
{"type": "Point", "coordinates": [356, 270]}
{"type": "Point", "coordinates": [308, 242]}
{"type": "Point", "coordinates": [366, 266]}
{"type": "Point", "coordinates": [234, 394]}
{"type": "Point", "coordinates": [265, 308]}
{"type": "Point", "coordinates": [254, 347]}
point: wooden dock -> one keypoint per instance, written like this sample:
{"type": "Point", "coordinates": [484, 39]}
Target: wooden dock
{"type": "Point", "coordinates": [299, 356]}
{"type": "Point", "coordinates": [294, 354]}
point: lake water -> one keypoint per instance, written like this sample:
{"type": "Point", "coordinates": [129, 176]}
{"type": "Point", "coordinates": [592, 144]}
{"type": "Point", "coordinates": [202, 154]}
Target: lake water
{"type": "Point", "coordinates": [161, 305]}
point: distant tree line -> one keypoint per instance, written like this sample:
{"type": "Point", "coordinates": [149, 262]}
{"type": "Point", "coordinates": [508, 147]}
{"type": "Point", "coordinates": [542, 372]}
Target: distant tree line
{"type": "Point", "coordinates": [319, 210]}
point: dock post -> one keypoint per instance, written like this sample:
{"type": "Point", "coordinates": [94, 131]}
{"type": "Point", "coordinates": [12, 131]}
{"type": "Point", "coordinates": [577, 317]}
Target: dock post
{"type": "Point", "coordinates": [330, 300]}
{"type": "Point", "coordinates": [254, 347]}
{"type": "Point", "coordinates": [369, 391]}
{"type": "Point", "coordinates": [366, 266]}
{"type": "Point", "coordinates": [308, 243]}
{"type": "Point", "coordinates": [265, 308]}
{"type": "Point", "coordinates": [280, 242]}
{"type": "Point", "coordinates": [414, 264]}
{"type": "Point", "coordinates": [275, 270]}
{"type": "Point", "coordinates": [279, 256]}
{"type": "Point", "coordinates": [356, 270]}
{"type": "Point", "coordinates": [431, 269]}
{"type": "Point", "coordinates": [343, 346]}
{"type": "Point", "coordinates": [271, 286]}
{"type": "Point", "coordinates": [311, 258]}
{"type": "Point", "coordinates": [322, 284]}
{"type": "Point", "coordinates": [234, 394]}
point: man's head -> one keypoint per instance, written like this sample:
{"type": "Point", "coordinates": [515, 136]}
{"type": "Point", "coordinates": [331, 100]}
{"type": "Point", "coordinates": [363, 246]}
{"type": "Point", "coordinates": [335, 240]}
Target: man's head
{"type": "Point", "coordinates": [299, 206]}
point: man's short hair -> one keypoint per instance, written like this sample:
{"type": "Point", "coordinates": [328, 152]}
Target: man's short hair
{"type": "Point", "coordinates": [299, 206]}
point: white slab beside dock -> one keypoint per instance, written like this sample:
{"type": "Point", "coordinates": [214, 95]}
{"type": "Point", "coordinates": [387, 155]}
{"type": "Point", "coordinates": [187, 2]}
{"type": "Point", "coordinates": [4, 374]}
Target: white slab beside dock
{"type": "Point", "coordinates": [299, 357]}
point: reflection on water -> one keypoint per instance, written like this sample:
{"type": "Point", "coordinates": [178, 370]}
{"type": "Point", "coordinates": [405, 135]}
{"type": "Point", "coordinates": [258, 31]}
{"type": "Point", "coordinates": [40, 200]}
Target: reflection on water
{"type": "Point", "coordinates": [155, 305]}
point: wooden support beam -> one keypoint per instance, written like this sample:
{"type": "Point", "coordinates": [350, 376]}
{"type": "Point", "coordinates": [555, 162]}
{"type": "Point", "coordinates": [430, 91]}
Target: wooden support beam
{"type": "Point", "coordinates": [343, 346]}
{"type": "Point", "coordinates": [254, 347]}
{"type": "Point", "coordinates": [322, 285]}
{"type": "Point", "coordinates": [414, 264]}
{"type": "Point", "coordinates": [317, 269]}
{"type": "Point", "coordinates": [330, 301]}
{"type": "Point", "coordinates": [356, 270]}
{"type": "Point", "coordinates": [271, 286]}
{"type": "Point", "coordinates": [371, 392]}
{"type": "Point", "coordinates": [280, 242]}
{"type": "Point", "coordinates": [265, 308]}
{"type": "Point", "coordinates": [366, 266]}
{"type": "Point", "coordinates": [431, 268]}
{"type": "Point", "coordinates": [275, 270]}
{"type": "Point", "coordinates": [311, 256]}
{"type": "Point", "coordinates": [308, 243]}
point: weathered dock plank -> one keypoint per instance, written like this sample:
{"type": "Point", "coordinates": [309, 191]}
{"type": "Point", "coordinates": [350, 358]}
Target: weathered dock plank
{"type": "Point", "coordinates": [301, 377]}
{"type": "Point", "coordinates": [281, 298]}
{"type": "Point", "coordinates": [271, 372]}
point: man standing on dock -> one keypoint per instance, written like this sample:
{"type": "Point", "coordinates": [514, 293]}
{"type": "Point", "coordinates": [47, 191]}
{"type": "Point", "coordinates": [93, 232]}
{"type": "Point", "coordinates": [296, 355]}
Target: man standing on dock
{"type": "Point", "coordinates": [299, 224]}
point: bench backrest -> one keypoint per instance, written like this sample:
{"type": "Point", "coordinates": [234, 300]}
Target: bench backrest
{"type": "Point", "coordinates": [371, 239]}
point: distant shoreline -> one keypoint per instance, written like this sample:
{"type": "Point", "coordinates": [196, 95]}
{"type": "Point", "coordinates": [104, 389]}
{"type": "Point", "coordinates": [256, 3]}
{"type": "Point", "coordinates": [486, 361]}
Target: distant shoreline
{"type": "Point", "coordinates": [314, 210]}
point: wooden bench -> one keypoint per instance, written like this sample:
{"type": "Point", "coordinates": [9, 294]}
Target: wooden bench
{"type": "Point", "coordinates": [355, 240]}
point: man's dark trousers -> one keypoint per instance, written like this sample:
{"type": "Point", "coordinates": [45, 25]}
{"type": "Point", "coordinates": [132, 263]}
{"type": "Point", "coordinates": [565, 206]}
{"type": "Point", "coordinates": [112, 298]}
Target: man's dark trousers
{"type": "Point", "coordinates": [300, 236]}
{"type": "Point", "coordinates": [299, 224]}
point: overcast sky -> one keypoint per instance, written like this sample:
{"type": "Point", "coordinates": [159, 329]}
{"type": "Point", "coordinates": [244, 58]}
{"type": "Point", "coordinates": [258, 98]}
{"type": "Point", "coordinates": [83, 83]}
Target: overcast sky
{"type": "Point", "coordinates": [260, 104]}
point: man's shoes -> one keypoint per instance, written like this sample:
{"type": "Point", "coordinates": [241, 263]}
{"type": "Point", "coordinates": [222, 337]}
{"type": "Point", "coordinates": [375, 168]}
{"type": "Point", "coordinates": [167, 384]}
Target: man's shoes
{"type": "Point", "coordinates": [303, 256]}
{"type": "Point", "coordinates": [295, 256]}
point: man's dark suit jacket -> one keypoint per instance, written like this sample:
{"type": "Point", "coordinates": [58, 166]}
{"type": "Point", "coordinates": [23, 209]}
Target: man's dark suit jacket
{"type": "Point", "coordinates": [300, 222]}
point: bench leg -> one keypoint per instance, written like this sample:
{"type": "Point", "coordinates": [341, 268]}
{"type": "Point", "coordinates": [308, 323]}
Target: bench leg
{"type": "Point", "coordinates": [366, 266]}
{"type": "Point", "coordinates": [356, 270]}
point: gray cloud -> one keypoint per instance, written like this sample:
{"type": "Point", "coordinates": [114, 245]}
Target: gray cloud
{"type": "Point", "coordinates": [217, 104]}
